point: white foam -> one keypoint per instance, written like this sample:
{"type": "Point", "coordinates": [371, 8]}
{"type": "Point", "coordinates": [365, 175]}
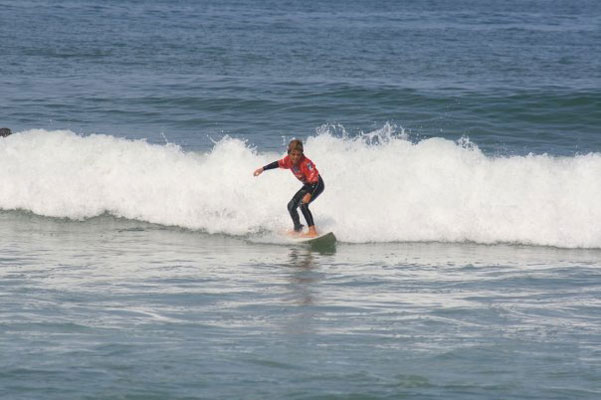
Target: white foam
{"type": "Point", "coordinates": [379, 187]}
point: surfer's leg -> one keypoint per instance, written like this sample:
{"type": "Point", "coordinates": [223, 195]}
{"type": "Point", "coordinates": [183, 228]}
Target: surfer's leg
{"type": "Point", "coordinates": [320, 187]}
{"type": "Point", "coordinates": [292, 206]}
{"type": "Point", "coordinates": [307, 214]}
{"type": "Point", "coordinates": [305, 208]}
{"type": "Point", "coordinates": [309, 218]}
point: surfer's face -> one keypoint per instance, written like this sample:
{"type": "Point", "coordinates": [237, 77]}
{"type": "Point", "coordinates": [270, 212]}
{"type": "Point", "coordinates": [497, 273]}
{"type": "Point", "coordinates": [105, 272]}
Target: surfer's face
{"type": "Point", "coordinates": [295, 156]}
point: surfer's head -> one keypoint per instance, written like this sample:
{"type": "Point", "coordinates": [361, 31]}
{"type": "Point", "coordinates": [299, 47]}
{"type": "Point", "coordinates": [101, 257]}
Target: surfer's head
{"type": "Point", "coordinates": [295, 150]}
{"type": "Point", "coordinates": [5, 132]}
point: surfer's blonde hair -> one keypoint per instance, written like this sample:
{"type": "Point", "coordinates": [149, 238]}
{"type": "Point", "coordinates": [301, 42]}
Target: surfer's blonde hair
{"type": "Point", "coordinates": [295, 144]}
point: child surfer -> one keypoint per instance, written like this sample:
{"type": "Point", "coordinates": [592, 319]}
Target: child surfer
{"type": "Point", "coordinates": [313, 185]}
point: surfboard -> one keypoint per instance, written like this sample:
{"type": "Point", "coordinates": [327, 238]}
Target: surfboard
{"type": "Point", "coordinates": [324, 240]}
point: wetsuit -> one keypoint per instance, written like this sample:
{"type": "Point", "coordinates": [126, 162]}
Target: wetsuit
{"type": "Point", "coordinates": [305, 172]}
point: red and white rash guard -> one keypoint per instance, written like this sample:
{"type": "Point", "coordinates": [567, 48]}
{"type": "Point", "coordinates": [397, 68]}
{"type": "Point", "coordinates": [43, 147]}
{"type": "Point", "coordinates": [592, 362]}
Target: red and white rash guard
{"type": "Point", "coordinates": [305, 171]}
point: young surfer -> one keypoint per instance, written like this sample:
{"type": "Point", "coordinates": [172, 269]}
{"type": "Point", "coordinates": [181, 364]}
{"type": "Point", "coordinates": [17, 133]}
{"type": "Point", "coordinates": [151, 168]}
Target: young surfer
{"type": "Point", "coordinates": [313, 185]}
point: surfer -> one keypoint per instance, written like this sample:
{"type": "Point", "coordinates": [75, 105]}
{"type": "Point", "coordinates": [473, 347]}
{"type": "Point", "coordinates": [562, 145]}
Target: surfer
{"type": "Point", "coordinates": [305, 171]}
{"type": "Point", "coordinates": [5, 132]}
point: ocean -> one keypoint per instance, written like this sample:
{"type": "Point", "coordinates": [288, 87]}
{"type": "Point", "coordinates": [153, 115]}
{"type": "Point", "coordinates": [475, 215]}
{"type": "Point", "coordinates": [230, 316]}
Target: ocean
{"type": "Point", "coordinates": [460, 145]}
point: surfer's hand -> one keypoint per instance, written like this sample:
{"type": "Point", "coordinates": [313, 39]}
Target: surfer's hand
{"type": "Point", "coordinates": [307, 198]}
{"type": "Point", "coordinates": [258, 171]}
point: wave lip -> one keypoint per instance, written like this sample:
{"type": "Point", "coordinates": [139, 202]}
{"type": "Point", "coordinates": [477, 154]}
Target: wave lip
{"type": "Point", "coordinates": [380, 187]}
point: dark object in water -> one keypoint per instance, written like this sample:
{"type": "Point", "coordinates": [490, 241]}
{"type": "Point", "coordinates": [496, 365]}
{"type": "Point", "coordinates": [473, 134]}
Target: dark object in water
{"type": "Point", "coordinates": [5, 132]}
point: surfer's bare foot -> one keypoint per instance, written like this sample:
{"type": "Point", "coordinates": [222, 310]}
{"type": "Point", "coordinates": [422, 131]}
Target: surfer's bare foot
{"type": "Point", "coordinates": [296, 232]}
{"type": "Point", "coordinates": [312, 232]}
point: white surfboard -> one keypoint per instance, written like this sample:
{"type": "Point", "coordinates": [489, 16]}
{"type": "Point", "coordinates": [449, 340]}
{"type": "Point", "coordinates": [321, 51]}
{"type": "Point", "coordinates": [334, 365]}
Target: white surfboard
{"type": "Point", "coordinates": [323, 240]}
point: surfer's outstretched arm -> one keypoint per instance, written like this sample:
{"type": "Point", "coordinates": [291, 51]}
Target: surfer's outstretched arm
{"type": "Point", "coordinates": [272, 165]}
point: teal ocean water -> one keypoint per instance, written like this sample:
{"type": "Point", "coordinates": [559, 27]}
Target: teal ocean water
{"type": "Point", "coordinates": [460, 146]}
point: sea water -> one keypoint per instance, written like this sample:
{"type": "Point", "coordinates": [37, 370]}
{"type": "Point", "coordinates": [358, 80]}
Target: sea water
{"type": "Point", "coordinates": [459, 143]}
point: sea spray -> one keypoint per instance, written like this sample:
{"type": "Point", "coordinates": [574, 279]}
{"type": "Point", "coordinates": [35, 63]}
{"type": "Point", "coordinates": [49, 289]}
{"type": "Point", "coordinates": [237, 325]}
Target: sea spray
{"type": "Point", "coordinates": [380, 187]}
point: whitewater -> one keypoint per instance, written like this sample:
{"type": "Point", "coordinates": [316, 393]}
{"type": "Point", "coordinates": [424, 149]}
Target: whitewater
{"type": "Point", "coordinates": [380, 187]}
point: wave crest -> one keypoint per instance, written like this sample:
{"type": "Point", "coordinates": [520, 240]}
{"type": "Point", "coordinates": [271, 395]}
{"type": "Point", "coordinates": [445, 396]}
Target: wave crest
{"type": "Point", "coordinates": [380, 187]}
